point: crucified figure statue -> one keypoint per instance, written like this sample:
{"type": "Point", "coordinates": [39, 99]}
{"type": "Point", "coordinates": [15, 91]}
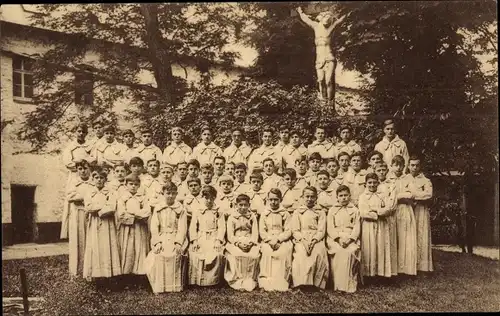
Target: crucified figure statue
{"type": "Point", "coordinates": [325, 61]}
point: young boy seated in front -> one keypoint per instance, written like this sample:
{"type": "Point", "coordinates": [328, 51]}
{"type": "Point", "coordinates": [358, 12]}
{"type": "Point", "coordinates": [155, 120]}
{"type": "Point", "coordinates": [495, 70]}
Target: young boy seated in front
{"type": "Point", "coordinates": [226, 196]}
{"type": "Point", "coordinates": [343, 228]}
{"type": "Point", "coordinates": [169, 242]}
{"type": "Point", "coordinates": [291, 197]}
{"type": "Point", "coordinates": [206, 234]}
{"type": "Point", "coordinates": [271, 179]}
{"type": "Point", "coordinates": [326, 196]}
{"type": "Point", "coordinates": [242, 250]}
{"type": "Point", "coordinates": [256, 194]}
{"type": "Point", "coordinates": [241, 186]}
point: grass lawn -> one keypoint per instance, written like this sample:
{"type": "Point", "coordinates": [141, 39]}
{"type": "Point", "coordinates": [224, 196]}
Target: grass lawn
{"type": "Point", "coordinates": [461, 282]}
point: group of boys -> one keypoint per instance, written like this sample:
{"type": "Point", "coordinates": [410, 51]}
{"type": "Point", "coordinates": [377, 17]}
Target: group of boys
{"type": "Point", "coordinates": [288, 165]}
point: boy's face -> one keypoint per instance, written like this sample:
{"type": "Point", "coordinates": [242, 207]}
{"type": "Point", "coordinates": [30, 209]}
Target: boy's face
{"type": "Point", "coordinates": [356, 163]}
{"type": "Point", "coordinates": [153, 168]}
{"type": "Point", "coordinates": [120, 173]}
{"type": "Point", "coordinates": [389, 131]}
{"type": "Point", "coordinates": [147, 139]}
{"type": "Point", "coordinates": [207, 175]}
{"type": "Point", "coordinates": [332, 167]}
{"type": "Point", "coordinates": [374, 160]}
{"type": "Point", "coordinates": [273, 200]}
{"type": "Point", "coordinates": [99, 181]}
{"type": "Point", "coordinates": [219, 166]}
{"type": "Point", "coordinates": [414, 167]}
{"type": "Point", "coordinates": [381, 172]}
{"type": "Point", "coordinates": [194, 188]}
{"type": "Point", "coordinates": [170, 196]}
{"type": "Point", "coordinates": [135, 168]}
{"type": "Point", "coordinates": [237, 138]}
{"type": "Point", "coordinates": [323, 181]}
{"type": "Point", "coordinates": [290, 183]}
{"type": "Point", "coordinates": [309, 197]}
{"type": "Point", "coordinates": [398, 169]}
{"type": "Point", "coordinates": [166, 174]}
{"type": "Point", "coordinates": [303, 166]}
{"type": "Point", "coordinates": [183, 171]}
{"type": "Point", "coordinates": [372, 185]}
{"type": "Point", "coordinates": [345, 135]}
{"type": "Point", "coordinates": [243, 206]}
{"type": "Point", "coordinates": [295, 140]}
{"type": "Point", "coordinates": [98, 128]}
{"type": "Point", "coordinates": [177, 135]}
{"type": "Point", "coordinates": [343, 197]}
{"type": "Point", "coordinates": [240, 174]}
{"type": "Point", "coordinates": [268, 167]}
{"type": "Point", "coordinates": [229, 169]}
{"type": "Point", "coordinates": [128, 139]}
{"type": "Point", "coordinates": [193, 171]}
{"type": "Point", "coordinates": [206, 136]}
{"type": "Point", "coordinates": [256, 184]}
{"type": "Point", "coordinates": [133, 186]}
{"type": "Point", "coordinates": [320, 134]}
{"type": "Point", "coordinates": [109, 136]}
{"type": "Point", "coordinates": [226, 186]}
{"type": "Point", "coordinates": [315, 164]}
{"type": "Point", "coordinates": [267, 137]}
{"type": "Point", "coordinates": [344, 162]}
{"type": "Point", "coordinates": [285, 136]}
{"type": "Point", "coordinates": [80, 134]}
{"type": "Point", "coordinates": [83, 171]}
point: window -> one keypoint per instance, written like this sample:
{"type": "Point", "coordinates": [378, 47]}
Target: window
{"type": "Point", "coordinates": [84, 90]}
{"type": "Point", "coordinates": [22, 77]}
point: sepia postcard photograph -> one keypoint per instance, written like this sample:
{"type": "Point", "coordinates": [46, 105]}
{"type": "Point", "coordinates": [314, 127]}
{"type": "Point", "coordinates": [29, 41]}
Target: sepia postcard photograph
{"type": "Point", "coordinates": [249, 157]}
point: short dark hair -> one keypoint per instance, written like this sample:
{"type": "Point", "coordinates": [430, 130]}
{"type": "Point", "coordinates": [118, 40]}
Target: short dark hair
{"type": "Point", "coordinates": [136, 161]}
{"type": "Point", "coordinates": [343, 153]}
{"type": "Point", "coordinates": [398, 160]}
{"type": "Point", "coordinates": [371, 175]}
{"type": "Point", "coordinates": [315, 156]}
{"type": "Point", "coordinates": [291, 172]}
{"type": "Point", "coordinates": [84, 127]}
{"type": "Point", "coordinates": [169, 186]}
{"type": "Point", "coordinates": [221, 158]}
{"type": "Point", "coordinates": [267, 159]}
{"type": "Point", "coordinates": [257, 175]}
{"type": "Point", "coordinates": [277, 192]}
{"type": "Point", "coordinates": [375, 152]}
{"type": "Point", "coordinates": [341, 188]}
{"type": "Point", "coordinates": [208, 191]}
{"type": "Point", "coordinates": [310, 188]}
{"type": "Point", "coordinates": [242, 197]}
{"type": "Point", "coordinates": [240, 165]}
{"type": "Point", "coordinates": [324, 172]}
{"type": "Point", "coordinates": [193, 162]}
{"type": "Point", "coordinates": [357, 154]}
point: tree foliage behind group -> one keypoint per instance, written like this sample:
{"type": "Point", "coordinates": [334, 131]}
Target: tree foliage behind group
{"type": "Point", "coordinates": [422, 58]}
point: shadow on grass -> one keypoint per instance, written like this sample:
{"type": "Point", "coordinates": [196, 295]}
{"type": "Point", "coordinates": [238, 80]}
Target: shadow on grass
{"type": "Point", "coordinates": [459, 283]}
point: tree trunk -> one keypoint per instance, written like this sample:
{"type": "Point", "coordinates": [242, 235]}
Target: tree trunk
{"type": "Point", "coordinates": [159, 56]}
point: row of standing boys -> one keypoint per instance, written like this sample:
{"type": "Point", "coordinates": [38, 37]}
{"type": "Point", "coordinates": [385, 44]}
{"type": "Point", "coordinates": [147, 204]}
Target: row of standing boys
{"type": "Point", "coordinates": [272, 216]}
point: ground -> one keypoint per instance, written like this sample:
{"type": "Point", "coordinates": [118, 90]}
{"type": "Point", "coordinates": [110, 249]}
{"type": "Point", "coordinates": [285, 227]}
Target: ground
{"type": "Point", "coordinates": [461, 283]}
